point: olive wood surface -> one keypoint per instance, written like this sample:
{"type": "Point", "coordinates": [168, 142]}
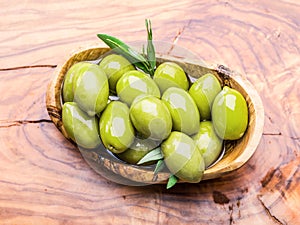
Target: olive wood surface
{"type": "Point", "coordinates": [44, 178]}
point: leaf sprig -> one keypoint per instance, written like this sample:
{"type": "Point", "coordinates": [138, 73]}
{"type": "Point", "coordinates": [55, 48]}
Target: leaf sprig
{"type": "Point", "coordinates": [145, 64]}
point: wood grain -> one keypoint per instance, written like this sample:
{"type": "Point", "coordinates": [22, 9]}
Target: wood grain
{"type": "Point", "coordinates": [44, 180]}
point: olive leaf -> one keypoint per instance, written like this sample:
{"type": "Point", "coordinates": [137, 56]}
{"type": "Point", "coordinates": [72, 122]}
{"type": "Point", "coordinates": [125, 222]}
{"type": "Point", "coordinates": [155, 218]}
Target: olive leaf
{"type": "Point", "coordinates": [172, 181]}
{"type": "Point", "coordinates": [160, 165]}
{"type": "Point", "coordinates": [143, 51]}
{"type": "Point", "coordinates": [150, 48]}
{"type": "Point", "coordinates": [128, 52]}
{"type": "Point", "coordinates": [153, 155]}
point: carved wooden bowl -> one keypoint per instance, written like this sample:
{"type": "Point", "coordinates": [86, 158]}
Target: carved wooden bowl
{"type": "Point", "coordinates": [236, 154]}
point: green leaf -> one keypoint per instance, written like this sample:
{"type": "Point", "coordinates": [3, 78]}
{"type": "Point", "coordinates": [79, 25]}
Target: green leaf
{"type": "Point", "coordinates": [150, 47]}
{"type": "Point", "coordinates": [160, 165]}
{"type": "Point", "coordinates": [155, 154]}
{"type": "Point", "coordinates": [143, 51]}
{"type": "Point", "coordinates": [172, 181]}
{"type": "Point", "coordinates": [132, 55]}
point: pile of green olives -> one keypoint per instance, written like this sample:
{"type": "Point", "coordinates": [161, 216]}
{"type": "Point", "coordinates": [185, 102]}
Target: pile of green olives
{"type": "Point", "coordinates": [131, 113]}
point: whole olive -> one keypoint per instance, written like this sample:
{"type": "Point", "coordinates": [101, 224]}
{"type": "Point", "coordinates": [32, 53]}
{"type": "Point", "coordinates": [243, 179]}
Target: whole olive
{"type": "Point", "coordinates": [230, 114]}
{"type": "Point", "coordinates": [81, 128]}
{"type": "Point", "coordinates": [115, 66]}
{"type": "Point", "coordinates": [183, 109]}
{"type": "Point", "coordinates": [182, 157]}
{"type": "Point", "coordinates": [116, 130]}
{"type": "Point", "coordinates": [68, 93]}
{"type": "Point", "coordinates": [91, 89]}
{"type": "Point", "coordinates": [203, 91]}
{"type": "Point", "coordinates": [138, 149]}
{"type": "Point", "coordinates": [208, 142]}
{"type": "Point", "coordinates": [169, 74]}
{"type": "Point", "coordinates": [134, 83]}
{"type": "Point", "coordinates": [151, 117]}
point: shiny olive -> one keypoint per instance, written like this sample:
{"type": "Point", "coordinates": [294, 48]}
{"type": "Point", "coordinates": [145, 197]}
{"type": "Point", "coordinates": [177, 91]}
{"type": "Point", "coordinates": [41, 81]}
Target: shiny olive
{"type": "Point", "coordinates": [169, 74]}
{"type": "Point", "coordinates": [182, 157]}
{"type": "Point", "coordinates": [203, 91]}
{"type": "Point", "coordinates": [116, 130]}
{"type": "Point", "coordinates": [183, 109]}
{"type": "Point", "coordinates": [81, 128]}
{"type": "Point", "coordinates": [151, 117]}
{"type": "Point", "coordinates": [230, 114]}
{"type": "Point", "coordinates": [134, 83]}
{"type": "Point", "coordinates": [115, 66]}
{"type": "Point", "coordinates": [208, 142]}
{"type": "Point", "coordinates": [68, 94]}
{"type": "Point", "coordinates": [91, 89]}
{"type": "Point", "coordinates": [138, 149]}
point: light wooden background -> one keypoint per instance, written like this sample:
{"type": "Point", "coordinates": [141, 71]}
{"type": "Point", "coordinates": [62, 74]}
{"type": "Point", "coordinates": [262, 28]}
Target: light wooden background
{"type": "Point", "coordinates": [45, 180]}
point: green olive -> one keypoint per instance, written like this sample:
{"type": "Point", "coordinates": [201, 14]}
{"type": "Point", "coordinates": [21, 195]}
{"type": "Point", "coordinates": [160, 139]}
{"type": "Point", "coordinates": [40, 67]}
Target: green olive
{"type": "Point", "coordinates": [208, 142]}
{"type": "Point", "coordinates": [138, 149]}
{"type": "Point", "coordinates": [91, 89]}
{"type": "Point", "coordinates": [182, 157]}
{"type": "Point", "coordinates": [183, 109]}
{"type": "Point", "coordinates": [151, 117]}
{"type": "Point", "coordinates": [169, 74]}
{"type": "Point", "coordinates": [230, 114]}
{"type": "Point", "coordinates": [68, 94]}
{"type": "Point", "coordinates": [81, 128]}
{"type": "Point", "coordinates": [203, 91]}
{"type": "Point", "coordinates": [116, 130]}
{"type": "Point", "coordinates": [134, 83]}
{"type": "Point", "coordinates": [115, 66]}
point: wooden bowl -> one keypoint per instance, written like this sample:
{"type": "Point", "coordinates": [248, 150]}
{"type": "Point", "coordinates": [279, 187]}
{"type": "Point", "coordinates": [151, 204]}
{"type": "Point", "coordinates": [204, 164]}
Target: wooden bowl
{"type": "Point", "coordinates": [237, 153]}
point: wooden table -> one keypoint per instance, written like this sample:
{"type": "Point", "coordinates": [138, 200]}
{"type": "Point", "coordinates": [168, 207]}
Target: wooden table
{"type": "Point", "coordinates": [45, 180]}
